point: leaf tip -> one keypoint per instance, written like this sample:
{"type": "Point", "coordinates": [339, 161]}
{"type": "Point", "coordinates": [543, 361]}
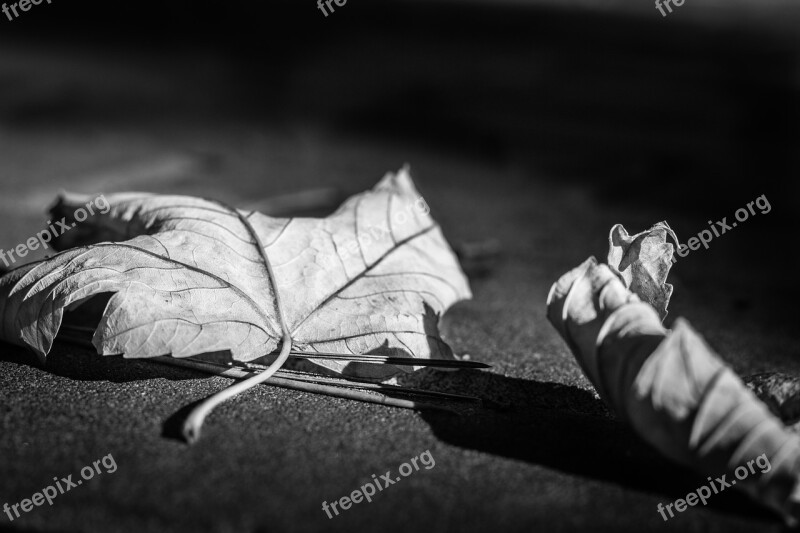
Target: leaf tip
{"type": "Point", "coordinates": [643, 262]}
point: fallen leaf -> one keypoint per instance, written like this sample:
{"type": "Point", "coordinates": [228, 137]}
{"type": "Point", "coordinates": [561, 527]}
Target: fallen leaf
{"type": "Point", "coordinates": [190, 276]}
{"type": "Point", "coordinates": [673, 390]}
{"type": "Point", "coordinates": [643, 261]}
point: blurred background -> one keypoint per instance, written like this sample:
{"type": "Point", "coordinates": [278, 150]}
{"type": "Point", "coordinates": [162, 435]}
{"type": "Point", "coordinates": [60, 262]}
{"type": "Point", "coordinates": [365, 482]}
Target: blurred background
{"type": "Point", "coordinates": [535, 123]}
{"type": "Point", "coordinates": [607, 91]}
{"type": "Point", "coordinates": [684, 117]}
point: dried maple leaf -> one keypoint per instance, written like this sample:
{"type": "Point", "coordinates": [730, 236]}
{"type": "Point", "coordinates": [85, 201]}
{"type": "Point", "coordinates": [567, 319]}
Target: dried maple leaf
{"type": "Point", "coordinates": [643, 261]}
{"type": "Point", "coordinates": [190, 276]}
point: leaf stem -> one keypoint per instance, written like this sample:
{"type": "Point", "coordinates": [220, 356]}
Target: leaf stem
{"type": "Point", "coordinates": [191, 428]}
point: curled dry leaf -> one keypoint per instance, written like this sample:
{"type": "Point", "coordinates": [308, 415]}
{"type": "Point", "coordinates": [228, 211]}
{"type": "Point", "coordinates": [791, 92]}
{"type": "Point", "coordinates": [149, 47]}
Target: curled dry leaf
{"type": "Point", "coordinates": [643, 261]}
{"type": "Point", "coordinates": [674, 391]}
{"type": "Point", "coordinates": [189, 276]}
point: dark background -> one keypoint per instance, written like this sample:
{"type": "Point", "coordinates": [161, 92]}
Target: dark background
{"type": "Point", "coordinates": [538, 124]}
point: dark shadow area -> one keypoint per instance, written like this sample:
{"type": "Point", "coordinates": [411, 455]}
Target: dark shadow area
{"type": "Point", "coordinates": [80, 364]}
{"type": "Point", "coordinates": [568, 429]}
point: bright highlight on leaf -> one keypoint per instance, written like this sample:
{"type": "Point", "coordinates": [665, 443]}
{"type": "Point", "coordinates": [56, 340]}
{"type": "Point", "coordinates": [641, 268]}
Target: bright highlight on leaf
{"type": "Point", "coordinates": [189, 276]}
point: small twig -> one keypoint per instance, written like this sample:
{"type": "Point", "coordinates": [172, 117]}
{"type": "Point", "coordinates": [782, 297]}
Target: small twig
{"type": "Point", "coordinates": [353, 382]}
{"type": "Point", "coordinates": [389, 360]}
{"type": "Point", "coordinates": [369, 396]}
